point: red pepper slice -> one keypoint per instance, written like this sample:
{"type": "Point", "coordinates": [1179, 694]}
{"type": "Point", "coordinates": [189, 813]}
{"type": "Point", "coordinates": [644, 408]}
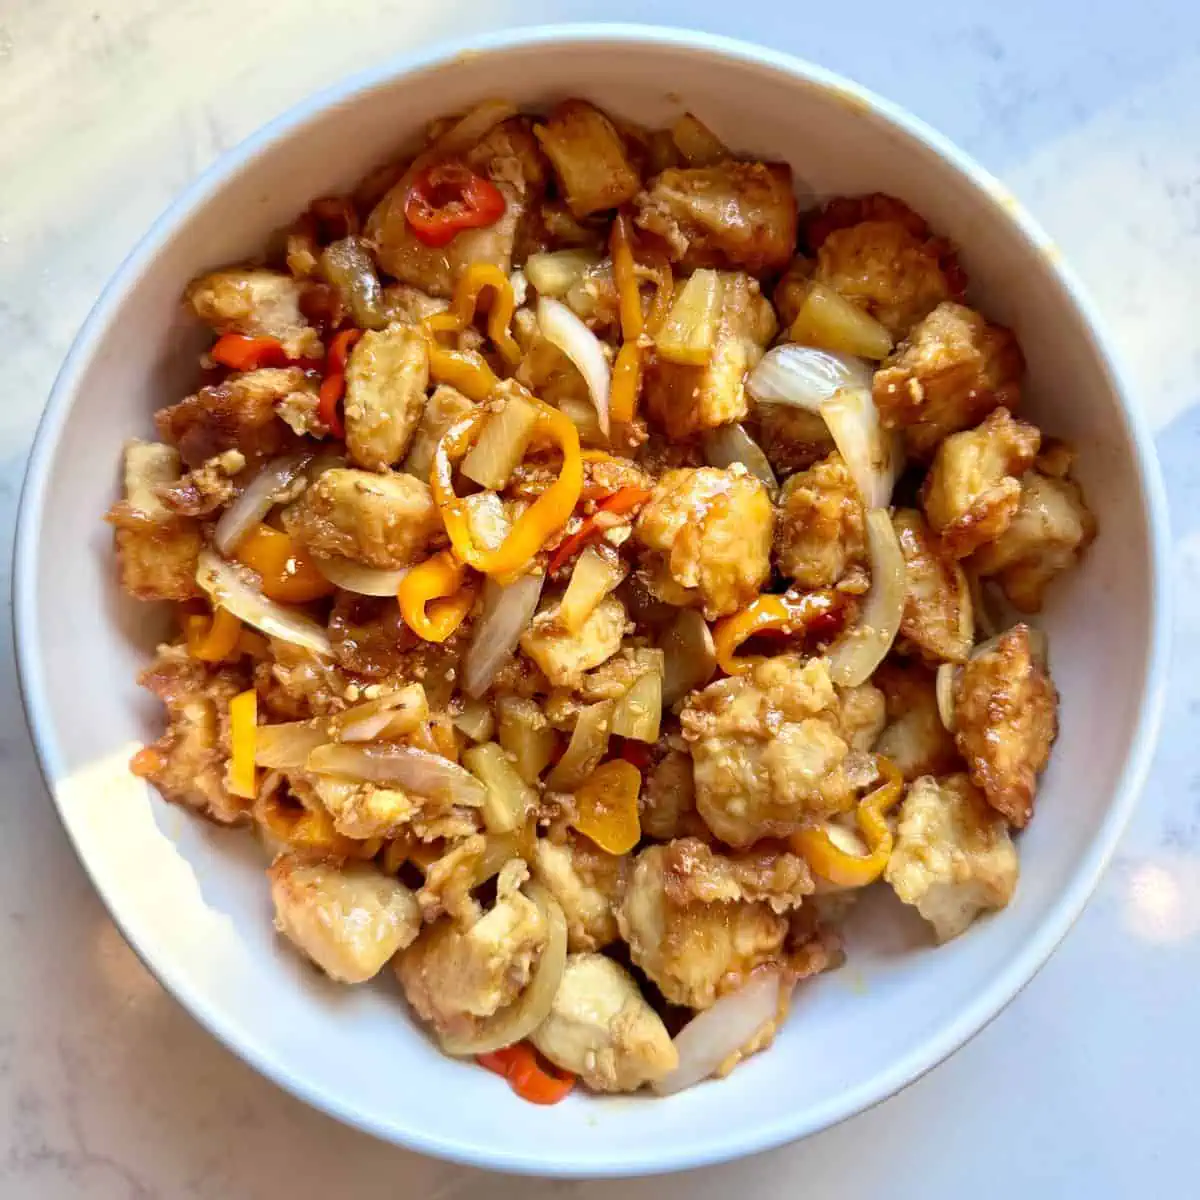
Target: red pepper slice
{"type": "Point", "coordinates": [526, 1076]}
{"type": "Point", "coordinates": [623, 500]}
{"type": "Point", "coordinates": [447, 198]}
{"type": "Point", "coordinates": [333, 386]}
{"type": "Point", "coordinates": [242, 353]}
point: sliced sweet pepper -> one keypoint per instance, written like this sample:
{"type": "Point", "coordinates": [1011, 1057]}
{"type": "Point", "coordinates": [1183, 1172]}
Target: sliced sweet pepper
{"type": "Point", "coordinates": [606, 806]}
{"type": "Point", "coordinates": [447, 198]}
{"type": "Point", "coordinates": [286, 569]}
{"type": "Point", "coordinates": [620, 503]}
{"type": "Point", "coordinates": [783, 614]}
{"type": "Point", "coordinates": [435, 597]}
{"type": "Point", "coordinates": [214, 640]}
{"type": "Point", "coordinates": [243, 723]}
{"type": "Point", "coordinates": [526, 1076]}
{"type": "Point", "coordinates": [477, 278]}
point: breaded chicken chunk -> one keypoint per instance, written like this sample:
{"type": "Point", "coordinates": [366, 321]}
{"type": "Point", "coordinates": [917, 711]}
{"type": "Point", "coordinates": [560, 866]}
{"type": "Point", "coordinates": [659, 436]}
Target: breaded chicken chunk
{"type": "Point", "coordinates": [667, 802]}
{"type": "Point", "coordinates": [708, 537]}
{"type": "Point", "coordinates": [258, 303]}
{"type": "Point", "coordinates": [939, 620]}
{"type": "Point", "coordinates": [587, 883]}
{"type": "Point", "coordinates": [589, 158]}
{"type": "Point", "coordinates": [733, 214]}
{"type": "Point", "coordinates": [879, 254]}
{"type": "Point", "coordinates": [456, 977]}
{"type": "Point", "coordinates": [819, 534]}
{"type": "Point", "coordinates": [349, 920]}
{"type": "Point", "coordinates": [914, 738]}
{"type": "Point", "coordinates": [687, 399]}
{"type": "Point", "coordinates": [951, 370]}
{"type": "Point", "coordinates": [973, 488]}
{"type": "Point", "coordinates": [697, 923]}
{"type": "Point", "coordinates": [953, 858]}
{"type": "Point", "coordinates": [602, 1030]}
{"type": "Point", "coordinates": [768, 750]}
{"type": "Point", "coordinates": [188, 763]}
{"type": "Point", "coordinates": [381, 520]}
{"type": "Point", "coordinates": [1050, 529]}
{"type": "Point", "coordinates": [386, 378]}
{"type": "Point", "coordinates": [564, 657]}
{"type": "Point", "coordinates": [1005, 721]}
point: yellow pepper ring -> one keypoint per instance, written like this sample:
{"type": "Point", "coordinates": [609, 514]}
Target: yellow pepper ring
{"type": "Point", "coordinates": [212, 641]}
{"type": "Point", "coordinates": [625, 277]}
{"type": "Point", "coordinates": [828, 860]}
{"type": "Point", "coordinates": [471, 283]}
{"type": "Point", "coordinates": [461, 369]}
{"type": "Point", "coordinates": [626, 383]}
{"type": "Point", "coordinates": [762, 615]}
{"type": "Point", "coordinates": [435, 598]}
{"type": "Point", "coordinates": [538, 523]}
{"type": "Point", "coordinates": [243, 734]}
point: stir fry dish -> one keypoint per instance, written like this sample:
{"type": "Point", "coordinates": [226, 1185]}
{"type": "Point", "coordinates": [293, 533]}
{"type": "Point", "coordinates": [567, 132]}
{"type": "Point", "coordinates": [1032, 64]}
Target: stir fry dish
{"type": "Point", "coordinates": [587, 571]}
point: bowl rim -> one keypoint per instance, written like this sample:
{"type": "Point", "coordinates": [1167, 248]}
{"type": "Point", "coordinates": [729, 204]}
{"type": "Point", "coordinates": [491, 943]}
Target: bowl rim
{"type": "Point", "coordinates": [1029, 958]}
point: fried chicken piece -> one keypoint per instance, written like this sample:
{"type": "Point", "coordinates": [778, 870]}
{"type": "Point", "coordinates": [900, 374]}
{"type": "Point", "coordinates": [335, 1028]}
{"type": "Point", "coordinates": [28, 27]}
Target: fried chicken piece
{"type": "Point", "coordinates": [589, 158]}
{"type": "Point", "coordinates": [914, 738]}
{"type": "Point", "coordinates": [732, 214]}
{"type": "Point", "coordinates": [819, 533]}
{"type": "Point", "coordinates": [255, 302]}
{"type": "Point", "coordinates": [587, 883]}
{"type": "Point", "coordinates": [939, 620]}
{"type": "Point", "coordinates": [973, 489]}
{"type": "Point", "coordinates": [697, 923]}
{"type": "Point", "coordinates": [1005, 720]}
{"type": "Point", "coordinates": [708, 533]}
{"type": "Point", "coordinates": [953, 858]}
{"type": "Point", "coordinates": [386, 377]}
{"type": "Point", "coordinates": [602, 1030]}
{"type": "Point", "coordinates": [951, 370]}
{"type": "Point", "coordinates": [349, 920]}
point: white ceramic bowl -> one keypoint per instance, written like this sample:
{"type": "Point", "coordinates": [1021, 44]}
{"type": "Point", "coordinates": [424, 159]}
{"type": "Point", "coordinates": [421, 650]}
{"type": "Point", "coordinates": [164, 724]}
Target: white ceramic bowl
{"type": "Point", "coordinates": [192, 899]}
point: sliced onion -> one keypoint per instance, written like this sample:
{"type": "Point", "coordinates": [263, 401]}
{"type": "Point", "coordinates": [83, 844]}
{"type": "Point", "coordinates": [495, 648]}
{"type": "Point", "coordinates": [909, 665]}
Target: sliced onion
{"type": "Point", "coordinates": [873, 455]}
{"type": "Point", "coordinates": [532, 1007]}
{"type": "Point", "coordinates": [286, 747]}
{"type": "Point", "coordinates": [856, 654]}
{"type": "Point", "coordinates": [354, 577]}
{"type": "Point", "coordinates": [417, 771]}
{"type": "Point", "coordinates": [227, 587]}
{"type": "Point", "coordinates": [556, 272]}
{"type": "Point", "coordinates": [804, 377]}
{"type": "Point", "coordinates": [507, 611]}
{"type": "Point", "coordinates": [690, 657]}
{"type": "Point", "coordinates": [718, 1033]}
{"type": "Point", "coordinates": [947, 678]}
{"type": "Point", "coordinates": [562, 327]}
{"type": "Point", "coordinates": [400, 712]}
{"type": "Point", "coordinates": [256, 500]}
{"type": "Point", "coordinates": [838, 388]}
{"type": "Point", "coordinates": [731, 444]}
{"type": "Point", "coordinates": [1039, 644]}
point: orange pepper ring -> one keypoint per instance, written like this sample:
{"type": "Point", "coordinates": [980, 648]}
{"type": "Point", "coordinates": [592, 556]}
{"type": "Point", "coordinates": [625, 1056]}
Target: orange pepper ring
{"type": "Point", "coordinates": [471, 284]}
{"type": "Point", "coordinates": [213, 641]}
{"type": "Point", "coordinates": [534, 527]}
{"type": "Point", "coordinates": [760, 616]}
{"type": "Point", "coordinates": [435, 598]}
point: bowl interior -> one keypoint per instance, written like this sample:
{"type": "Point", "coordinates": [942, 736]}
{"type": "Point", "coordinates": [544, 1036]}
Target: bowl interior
{"type": "Point", "coordinates": [192, 899]}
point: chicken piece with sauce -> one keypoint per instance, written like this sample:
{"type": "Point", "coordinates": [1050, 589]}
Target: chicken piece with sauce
{"type": "Point", "coordinates": [380, 520]}
{"type": "Point", "coordinates": [767, 748]}
{"type": "Point", "coordinates": [948, 374]}
{"type": "Point", "coordinates": [914, 738]}
{"type": "Point", "coordinates": [257, 303]}
{"type": "Point", "coordinates": [1005, 721]}
{"type": "Point", "coordinates": [698, 922]}
{"type": "Point", "coordinates": [455, 977]}
{"type": "Point", "coordinates": [587, 883]}
{"type": "Point", "coordinates": [602, 1030]}
{"type": "Point", "coordinates": [349, 920]}
{"type": "Point", "coordinates": [386, 378]}
{"type": "Point", "coordinates": [973, 488]}
{"type": "Point", "coordinates": [819, 533]}
{"type": "Point", "coordinates": [708, 536]}
{"type": "Point", "coordinates": [1049, 530]}
{"type": "Point", "coordinates": [939, 618]}
{"type": "Point", "coordinates": [733, 214]}
{"type": "Point", "coordinates": [953, 857]}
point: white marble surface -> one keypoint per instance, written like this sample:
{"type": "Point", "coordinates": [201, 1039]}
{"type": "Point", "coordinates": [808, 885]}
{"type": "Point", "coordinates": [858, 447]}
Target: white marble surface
{"type": "Point", "coordinates": [1089, 111]}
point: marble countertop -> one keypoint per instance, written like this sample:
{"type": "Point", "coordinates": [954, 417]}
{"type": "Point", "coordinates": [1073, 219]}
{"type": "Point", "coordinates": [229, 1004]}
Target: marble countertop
{"type": "Point", "coordinates": [1088, 111]}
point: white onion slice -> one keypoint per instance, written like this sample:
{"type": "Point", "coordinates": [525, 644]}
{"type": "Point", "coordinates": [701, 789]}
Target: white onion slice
{"type": "Point", "coordinates": [690, 659]}
{"type": "Point", "coordinates": [418, 771]}
{"type": "Point", "coordinates": [354, 577]}
{"type": "Point", "coordinates": [716, 1034]}
{"type": "Point", "coordinates": [470, 130]}
{"type": "Point", "coordinates": [804, 377]}
{"type": "Point", "coordinates": [507, 611]}
{"type": "Point", "coordinates": [838, 388]}
{"type": "Point", "coordinates": [947, 677]}
{"type": "Point", "coordinates": [227, 587]}
{"type": "Point", "coordinates": [856, 654]}
{"type": "Point", "coordinates": [729, 444]}
{"type": "Point", "coordinates": [286, 747]}
{"type": "Point", "coordinates": [532, 1006]}
{"type": "Point", "coordinates": [562, 327]}
{"type": "Point", "coordinates": [256, 500]}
